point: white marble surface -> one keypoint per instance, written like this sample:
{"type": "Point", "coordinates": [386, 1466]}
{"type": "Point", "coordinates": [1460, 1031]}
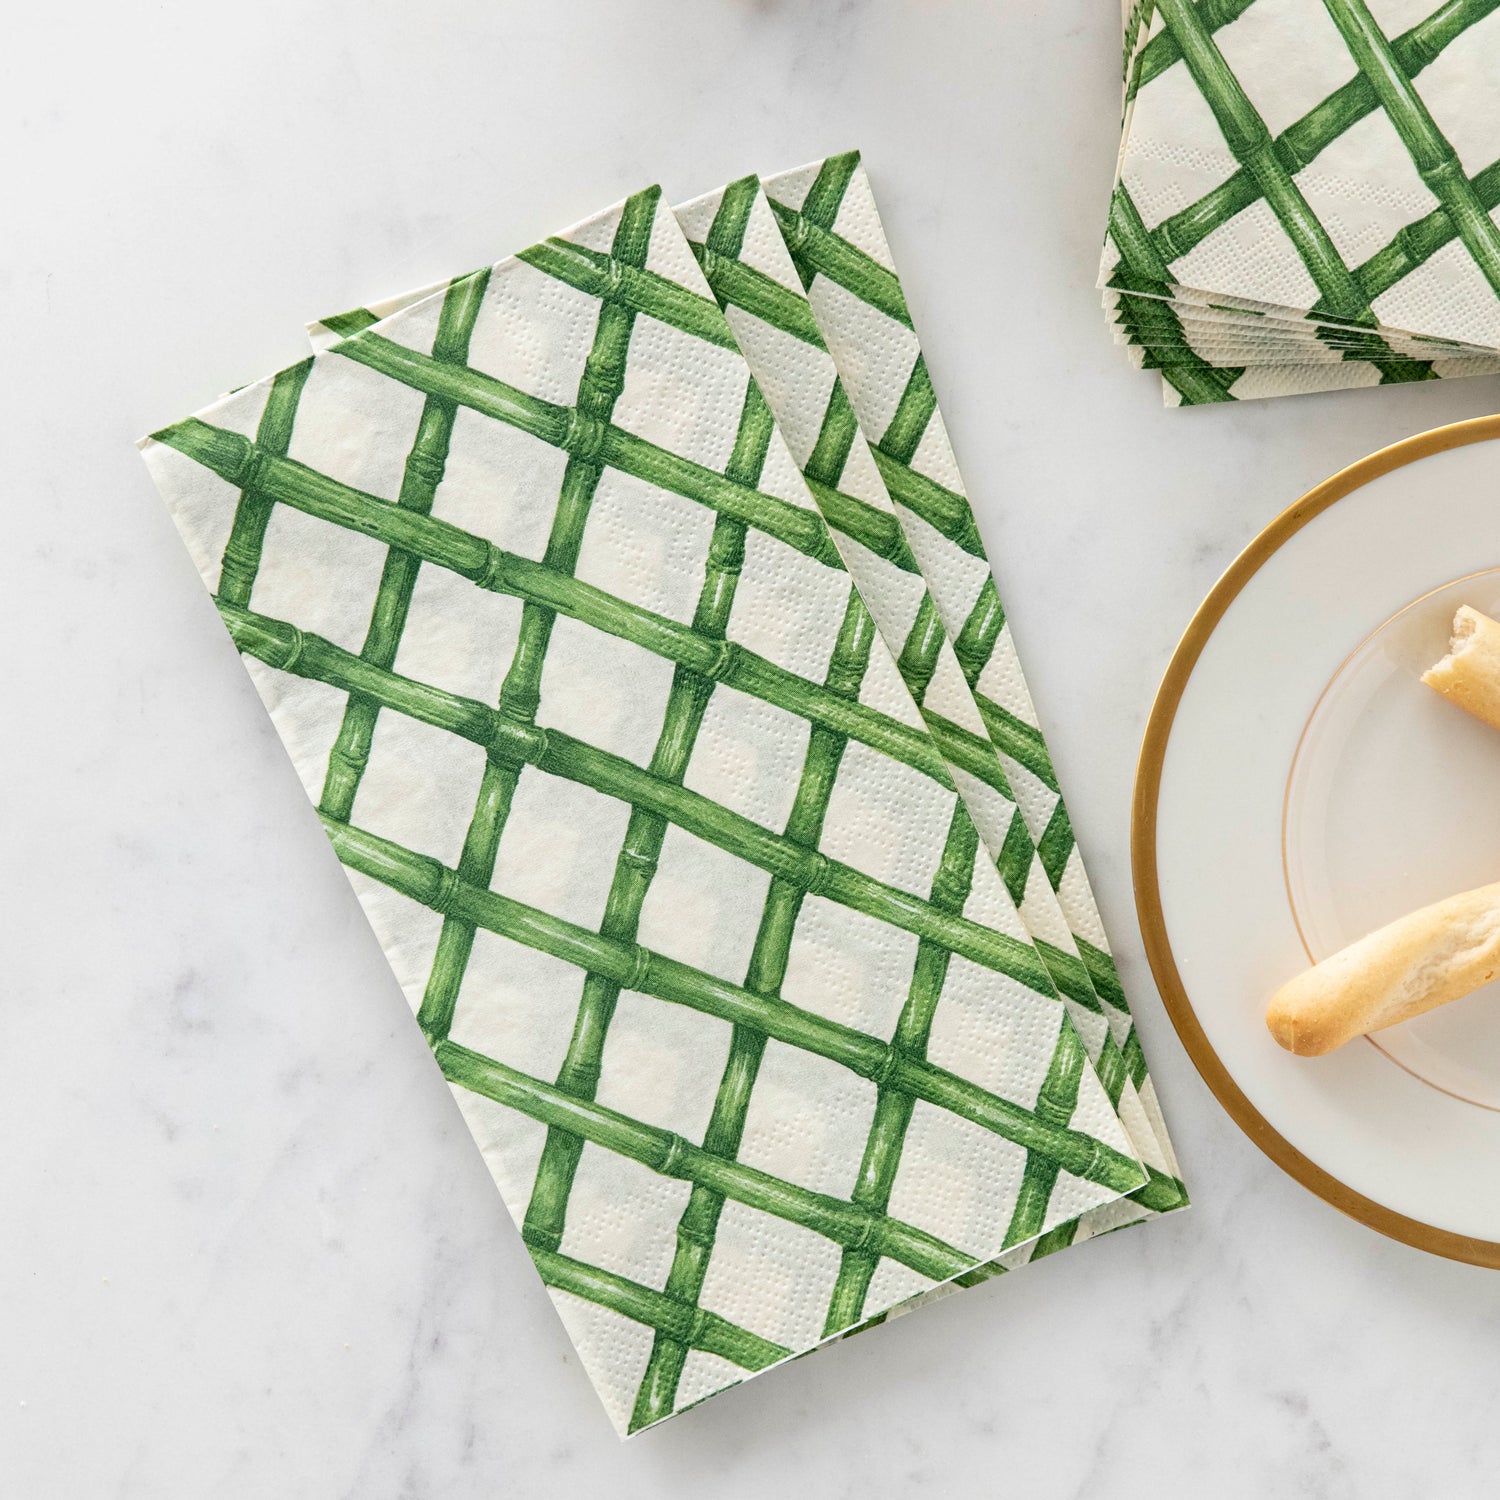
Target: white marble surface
{"type": "Point", "coordinates": [245, 1246]}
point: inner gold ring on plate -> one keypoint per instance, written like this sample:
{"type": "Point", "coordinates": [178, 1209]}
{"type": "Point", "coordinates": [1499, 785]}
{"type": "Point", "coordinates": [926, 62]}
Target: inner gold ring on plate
{"type": "Point", "coordinates": [1143, 844]}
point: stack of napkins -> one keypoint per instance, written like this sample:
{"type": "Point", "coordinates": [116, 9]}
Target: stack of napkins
{"type": "Point", "coordinates": [1305, 195]}
{"type": "Point", "coordinates": [623, 613]}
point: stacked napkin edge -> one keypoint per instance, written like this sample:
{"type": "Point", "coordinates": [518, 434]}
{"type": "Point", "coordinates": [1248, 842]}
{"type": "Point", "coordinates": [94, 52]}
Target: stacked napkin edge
{"type": "Point", "coordinates": [1211, 345]}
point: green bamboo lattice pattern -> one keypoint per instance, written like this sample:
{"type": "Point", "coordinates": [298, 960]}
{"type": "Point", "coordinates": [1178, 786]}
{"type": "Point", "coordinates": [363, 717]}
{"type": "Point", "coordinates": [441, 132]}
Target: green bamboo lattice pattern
{"type": "Point", "coordinates": [904, 609]}
{"type": "Point", "coordinates": [1082, 975]}
{"type": "Point", "coordinates": [1139, 260]}
{"type": "Point", "coordinates": [911, 448]}
{"type": "Point", "coordinates": [769, 317]}
{"type": "Point", "coordinates": [451, 378]}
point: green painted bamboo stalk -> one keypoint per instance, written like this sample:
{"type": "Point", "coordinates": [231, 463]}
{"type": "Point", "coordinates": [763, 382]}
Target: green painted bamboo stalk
{"type": "Point", "coordinates": [914, 411]}
{"type": "Point", "coordinates": [1050, 1243]}
{"type": "Point", "coordinates": [1162, 50]}
{"type": "Point", "coordinates": [969, 752]}
{"type": "Point", "coordinates": [696, 1327]}
{"type": "Point", "coordinates": [816, 250]}
{"type": "Point", "coordinates": [826, 195]}
{"type": "Point", "coordinates": [974, 646]}
{"type": "Point", "coordinates": [920, 654]}
{"type": "Point", "coordinates": [611, 279]}
{"type": "Point", "coordinates": [1014, 862]}
{"type": "Point", "coordinates": [1250, 143]}
{"type": "Point", "coordinates": [1105, 976]}
{"type": "Point", "coordinates": [1060, 1237]}
{"type": "Point", "coordinates": [347, 324]}
{"type": "Point", "coordinates": [821, 205]}
{"type": "Point", "coordinates": [893, 1109]}
{"type": "Point", "coordinates": [944, 510]}
{"type": "Point", "coordinates": [640, 852]}
{"type": "Point", "coordinates": [1137, 18]}
{"type": "Point", "coordinates": [252, 514]}
{"type": "Point", "coordinates": [234, 457]}
{"type": "Point", "coordinates": [975, 642]}
{"type": "Point", "coordinates": [1421, 240]}
{"type": "Point", "coordinates": [1435, 159]}
{"type": "Point", "coordinates": [439, 887]}
{"type": "Point", "coordinates": [674, 1156]}
{"type": "Point", "coordinates": [1056, 1101]}
{"type": "Point", "coordinates": [726, 235]}
{"type": "Point", "coordinates": [735, 282]}
{"type": "Point", "coordinates": [1057, 1239]}
{"type": "Point", "coordinates": [1067, 969]}
{"type": "Point", "coordinates": [597, 442]}
{"type": "Point", "coordinates": [765, 973]}
{"type": "Point", "coordinates": [1056, 844]}
{"type": "Point", "coordinates": [837, 434]}
{"type": "Point", "coordinates": [599, 388]}
{"type": "Point", "coordinates": [981, 629]}
{"type": "Point", "coordinates": [876, 530]}
{"type": "Point", "coordinates": [1111, 1068]}
{"type": "Point", "coordinates": [423, 473]}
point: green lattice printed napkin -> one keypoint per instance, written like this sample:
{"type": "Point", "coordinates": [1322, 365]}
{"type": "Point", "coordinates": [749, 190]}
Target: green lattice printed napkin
{"type": "Point", "coordinates": [1315, 159]}
{"type": "Point", "coordinates": [739, 246]}
{"type": "Point", "coordinates": [751, 273]}
{"type": "Point", "coordinates": [828, 218]}
{"type": "Point", "coordinates": [736, 239]}
{"type": "Point", "coordinates": [642, 813]}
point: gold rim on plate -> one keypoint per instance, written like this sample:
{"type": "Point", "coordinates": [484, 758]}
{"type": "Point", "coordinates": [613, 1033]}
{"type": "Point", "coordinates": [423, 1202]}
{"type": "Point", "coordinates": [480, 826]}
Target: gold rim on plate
{"type": "Point", "coordinates": [1143, 844]}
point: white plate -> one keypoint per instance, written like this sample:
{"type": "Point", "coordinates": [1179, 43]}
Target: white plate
{"type": "Point", "coordinates": [1298, 787]}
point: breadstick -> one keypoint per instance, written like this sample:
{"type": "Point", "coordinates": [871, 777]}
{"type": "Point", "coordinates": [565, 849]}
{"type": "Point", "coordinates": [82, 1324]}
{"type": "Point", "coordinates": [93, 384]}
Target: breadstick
{"type": "Point", "coordinates": [1470, 673]}
{"type": "Point", "coordinates": [1419, 962]}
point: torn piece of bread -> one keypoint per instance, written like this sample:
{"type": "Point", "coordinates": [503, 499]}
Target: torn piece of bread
{"type": "Point", "coordinates": [1419, 962]}
{"type": "Point", "coordinates": [1469, 675]}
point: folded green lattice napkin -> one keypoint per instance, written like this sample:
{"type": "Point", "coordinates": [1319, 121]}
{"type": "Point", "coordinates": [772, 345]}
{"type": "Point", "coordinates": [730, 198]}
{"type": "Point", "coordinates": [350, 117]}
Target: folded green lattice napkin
{"type": "Point", "coordinates": [674, 872]}
{"type": "Point", "coordinates": [737, 239]}
{"type": "Point", "coordinates": [1316, 178]}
